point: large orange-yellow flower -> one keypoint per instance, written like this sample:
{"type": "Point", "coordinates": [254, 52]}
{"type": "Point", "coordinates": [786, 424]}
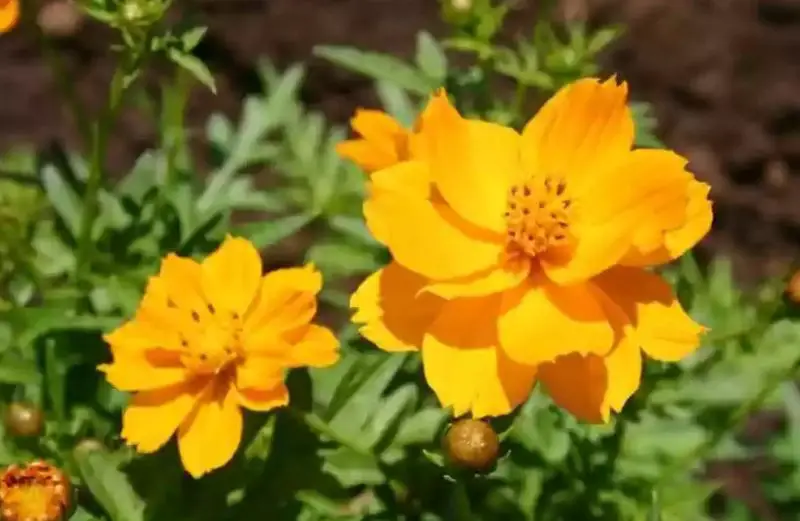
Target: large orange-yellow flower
{"type": "Point", "coordinates": [9, 15]}
{"type": "Point", "coordinates": [208, 339]}
{"type": "Point", "coordinates": [520, 257]}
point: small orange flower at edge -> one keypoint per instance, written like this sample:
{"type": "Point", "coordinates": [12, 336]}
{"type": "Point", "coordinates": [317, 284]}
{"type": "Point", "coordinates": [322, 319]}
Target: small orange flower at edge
{"type": "Point", "coordinates": [383, 141]}
{"type": "Point", "coordinates": [520, 258]}
{"type": "Point", "coordinates": [9, 15]}
{"type": "Point", "coordinates": [209, 338]}
{"type": "Point", "coordinates": [33, 492]}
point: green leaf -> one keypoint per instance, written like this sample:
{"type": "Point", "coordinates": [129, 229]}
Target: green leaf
{"type": "Point", "coordinates": [194, 66]}
{"type": "Point", "coordinates": [14, 369]}
{"type": "Point", "coordinates": [396, 102]}
{"type": "Point", "coordinates": [109, 486]}
{"type": "Point", "coordinates": [31, 323]}
{"type": "Point", "coordinates": [267, 233]}
{"type": "Point", "coordinates": [65, 201]}
{"type": "Point", "coordinates": [655, 507]}
{"type": "Point", "coordinates": [192, 38]}
{"type": "Point", "coordinates": [378, 66]}
{"type": "Point", "coordinates": [431, 58]}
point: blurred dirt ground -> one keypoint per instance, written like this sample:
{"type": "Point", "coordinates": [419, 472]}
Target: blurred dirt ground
{"type": "Point", "coordinates": [724, 76]}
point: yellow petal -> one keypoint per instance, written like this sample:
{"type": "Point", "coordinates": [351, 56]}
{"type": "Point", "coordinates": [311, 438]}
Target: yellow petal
{"type": "Point", "coordinates": [153, 416]}
{"type": "Point", "coordinates": [394, 314]}
{"type": "Point", "coordinates": [578, 384]}
{"type": "Point", "coordinates": [540, 321]}
{"type": "Point", "coordinates": [9, 15]}
{"type": "Point", "coordinates": [675, 243]}
{"type": "Point", "coordinates": [428, 238]}
{"type": "Point", "coordinates": [317, 347]}
{"type": "Point", "coordinates": [262, 400]}
{"type": "Point", "coordinates": [504, 277]}
{"type": "Point", "coordinates": [463, 365]}
{"type": "Point", "coordinates": [286, 302]}
{"type": "Point", "coordinates": [472, 163]}
{"type": "Point", "coordinates": [210, 435]}
{"type": "Point", "coordinates": [662, 327]}
{"type": "Point", "coordinates": [259, 372]}
{"type": "Point", "coordinates": [231, 276]}
{"type": "Point", "coordinates": [624, 369]}
{"type": "Point", "coordinates": [644, 196]}
{"type": "Point", "coordinates": [137, 375]}
{"type": "Point", "coordinates": [140, 336]}
{"type": "Point", "coordinates": [384, 140]}
{"type": "Point", "coordinates": [178, 285]}
{"type": "Point", "coordinates": [585, 127]}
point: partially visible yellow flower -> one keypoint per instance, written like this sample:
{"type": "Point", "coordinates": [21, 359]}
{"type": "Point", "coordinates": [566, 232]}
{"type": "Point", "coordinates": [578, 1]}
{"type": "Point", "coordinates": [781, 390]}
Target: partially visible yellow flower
{"type": "Point", "coordinates": [9, 14]}
{"type": "Point", "coordinates": [383, 141]}
{"type": "Point", "coordinates": [520, 258]}
{"type": "Point", "coordinates": [37, 491]}
{"type": "Point", "coordinates": [209, 338]}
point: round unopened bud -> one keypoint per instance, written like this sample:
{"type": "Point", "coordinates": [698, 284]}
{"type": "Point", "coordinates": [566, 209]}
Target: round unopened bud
{"type": "Point", "coordinates": [472, 444]}
{"type": "Point", "coordinates": [461, 5]}
{"type": "Point", "coordinates": [23, 419]}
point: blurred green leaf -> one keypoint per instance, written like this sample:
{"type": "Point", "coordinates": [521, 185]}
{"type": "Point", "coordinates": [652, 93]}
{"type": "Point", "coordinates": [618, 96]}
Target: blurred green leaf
{"type": "Point", "coordinates": [431, 58]}
{"type": "Point", "coordinates": [194, 66]}
{"type": "Point", "coordinates": [109, 486]}
{"type": "Point", "coordinates": [267, 233]}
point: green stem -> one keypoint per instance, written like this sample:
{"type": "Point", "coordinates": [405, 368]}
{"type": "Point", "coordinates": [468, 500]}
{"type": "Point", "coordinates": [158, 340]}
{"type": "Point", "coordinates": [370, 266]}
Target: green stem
{"type": "Point", "coordinates": [460, 508]}
{"type": "Point", "coordinates": [99, 145]}
{"type": "Point", "coordinates": [321, 427]}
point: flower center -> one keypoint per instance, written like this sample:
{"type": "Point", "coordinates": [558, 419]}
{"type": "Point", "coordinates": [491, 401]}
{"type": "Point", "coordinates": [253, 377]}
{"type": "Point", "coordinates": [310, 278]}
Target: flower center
{"type": "Point", "coordinates": [214, 345]}
{"type": "Point", "coordinates": [33, 493]}
{"type": "Point", "coordinates": [537, 216]}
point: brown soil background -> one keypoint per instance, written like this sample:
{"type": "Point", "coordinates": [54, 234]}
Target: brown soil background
{"type": "Point", "coordinates": [723, 75]}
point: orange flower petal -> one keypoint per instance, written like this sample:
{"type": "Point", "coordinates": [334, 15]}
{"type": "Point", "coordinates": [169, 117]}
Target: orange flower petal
{"type": "Point", "coordinates": [495, 280]}
{"type": "Point", "coordinates": [316, 347]}
{"type": "Point", "coordinates": [675, 243]}
{"type": "Point", "coordinates": [427, 237]}
{"type": "Point", "coordinates": [383, 141]}
{"type": "Point", "coordinates": [153, 416]}
{"type": "Point", "coordinates": [210, 435]}
{"type": "Point", "coordinates": [138, 375]}
{"type": "Point", "coordinates": [178, 285]}
{"type": "Point", "coordinates": [662, 328]}
{"type": "Point", "coordinates": [393, 311]}
{"type": "Point", "coordinates": [259, 372]}
{"type": "Point", "coordinates": [541, 321]}
{"type": "Point", "coordinates": [585, 127]}
{"type": "Point", "coordinates": [231, 276]}
{"type": "Point", "coordinates": [624, 368]}
{"type": "Point", "coordinates": [463, 365]}
{"type": "Point", "coordinates": [286, 302]}
{"type": "Point", "coordinates": [578, 384]}
{"type": "Point", "coordinates": [472, 163]}
{"type": "Point", "coordinates": [138, 336]}
{"type": "Point", "coordinates": [643, 197]}
{"type": "Point", "coordinates": [9, 15]}
{"type": "Point", "coordinates": [262, 400]}
{"type": "Point", "coordinates": [366, 154]}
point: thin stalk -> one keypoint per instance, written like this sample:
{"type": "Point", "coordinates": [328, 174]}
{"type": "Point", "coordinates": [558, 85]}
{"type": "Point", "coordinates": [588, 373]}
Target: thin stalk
{"type": "Point", "coordinates": [99, 148]}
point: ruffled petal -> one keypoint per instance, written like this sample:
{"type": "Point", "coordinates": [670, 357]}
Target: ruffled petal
{"type": "Point", "coordinates": [661, 327]}
{"type": "Point", "coordinates": [540, 321]}
{"type": "Point", "coordinates": [463, 365]}
{"type": "Point", "coordinates": [426, 236]}
{"type": "Point", "coordinates": [259, 372]}
{"type": "Point", "coordinates": [209, 436]}
{"type": "Point", "coordinates": [153, 416]}
{"type": "Point", "coordinates": [262, 400]}
{"type": "Point", "coordinates": [231, 276]}
{"type": "Point", "coordinates": [138, 375]}
{"type": "Point", "coordinates": [394, 311]}
{"type": "Point", "coordinates": [675, 243]}
{"type": "Point", "coordinates": [472, 163]}
{"type": "Point", "coordinates": [624, 369]}
{"type": "Point", "coordinates": [286, 303]}
{"type": "Point", "coordinates": [9, 15]}
{"type": "Point", "coordinates": [316, 347]}
{"type": "Point", "coordinates": [495, 280]}
{"type": "Point", "coordinates": [640, 199]}
{"type": "Point", "coordinates": [587, 126]}
{"type": "Point", "coordinates": [578, 384]}
{"type": "Point", "coordinates": [382, 142]}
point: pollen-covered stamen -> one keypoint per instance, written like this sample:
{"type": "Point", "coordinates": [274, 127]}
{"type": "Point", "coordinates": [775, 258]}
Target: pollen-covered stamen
{"type": "Point", "coordinates": [537, 215]}
{"type": "Point", "coordinates": [34, 492]}
{"type": "Point", "coordinates": [214, 344]}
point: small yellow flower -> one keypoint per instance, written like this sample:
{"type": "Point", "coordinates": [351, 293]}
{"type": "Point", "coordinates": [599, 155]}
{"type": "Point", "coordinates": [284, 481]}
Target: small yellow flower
{"type": "Point", "coordinates": [209, 338]}
{"type": "Point", "coordinates": [9, 15]}
{"type": "Point", "coordinates": [33, 492]}
{"type": "Point", "coordinates": [383, 141]}
{"type": "Point", "coordinates": [521, 257]}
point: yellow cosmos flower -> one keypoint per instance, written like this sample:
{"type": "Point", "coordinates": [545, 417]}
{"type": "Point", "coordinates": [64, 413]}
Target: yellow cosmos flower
{"type": "Point", "coordinates": [209, 338]}
{"type": "Point", "coordinates": [384, 142]}
{"type": "Point", "coordinates": [9, 14]}
{"type": "Point", "coordinates": [37, 491]}
{"type": "Point", "coordinates": [520, 257]}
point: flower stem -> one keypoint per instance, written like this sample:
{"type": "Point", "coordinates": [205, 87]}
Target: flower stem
{"type": "Point", "coordinates": [99, 144]}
